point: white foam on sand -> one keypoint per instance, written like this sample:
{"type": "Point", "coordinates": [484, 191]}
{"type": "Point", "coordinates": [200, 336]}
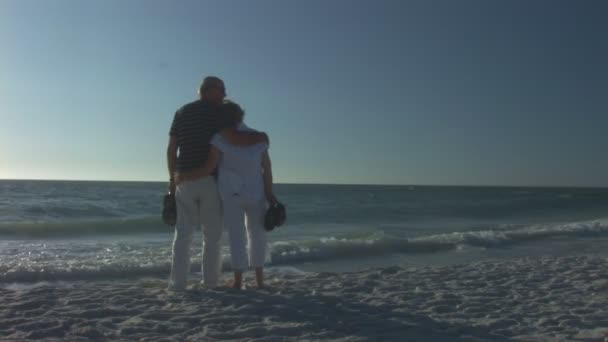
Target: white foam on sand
{"type": "Point", "coordinates": [542, 299]}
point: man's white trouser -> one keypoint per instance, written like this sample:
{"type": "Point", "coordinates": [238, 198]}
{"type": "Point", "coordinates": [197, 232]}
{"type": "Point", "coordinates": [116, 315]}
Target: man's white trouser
{"type": "Point", "coordinates": [242, 214]}
{"type": "Point", "coordinates": [198, 204]}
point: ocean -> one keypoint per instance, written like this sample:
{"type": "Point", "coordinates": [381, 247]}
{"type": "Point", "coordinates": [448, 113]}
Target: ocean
{"type": "Point", "coordinates": [75, 230]}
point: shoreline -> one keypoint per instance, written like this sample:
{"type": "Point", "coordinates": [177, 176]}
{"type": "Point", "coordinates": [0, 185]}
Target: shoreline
{"type": "Point", "coordinates": [551, 299]}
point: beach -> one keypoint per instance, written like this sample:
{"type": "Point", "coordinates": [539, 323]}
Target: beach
{"type": "Point", "coordinates": [525, 299]}
{"type": "Point", "coordinates": [89, 261]}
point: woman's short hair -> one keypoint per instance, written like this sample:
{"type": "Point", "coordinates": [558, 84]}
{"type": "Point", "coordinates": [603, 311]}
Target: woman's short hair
{"type": "Point", "coordinates": [233, 112]}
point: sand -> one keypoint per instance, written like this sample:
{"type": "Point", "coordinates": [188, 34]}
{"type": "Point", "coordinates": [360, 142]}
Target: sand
{"type": "Point", "coordinates": [542, 299]}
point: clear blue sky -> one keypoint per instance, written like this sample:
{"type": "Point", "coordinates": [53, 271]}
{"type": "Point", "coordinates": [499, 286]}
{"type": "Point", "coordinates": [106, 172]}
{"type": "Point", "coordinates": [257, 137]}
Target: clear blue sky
{"type": "Point", "coordinates": [399, 92]}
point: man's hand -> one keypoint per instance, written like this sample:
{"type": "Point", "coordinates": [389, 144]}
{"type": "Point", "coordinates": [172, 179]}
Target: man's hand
{"type": "Point", "coordinates": [172, 161]}
{"type": "Point", "coordinates": [172, 186]}
{"type": "Point", "coordinates": [235, 137]}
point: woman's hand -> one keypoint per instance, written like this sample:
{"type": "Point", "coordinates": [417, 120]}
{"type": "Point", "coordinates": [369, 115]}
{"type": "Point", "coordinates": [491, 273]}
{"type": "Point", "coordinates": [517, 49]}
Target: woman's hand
{"type": "Point", "coordinates": [271, 198]}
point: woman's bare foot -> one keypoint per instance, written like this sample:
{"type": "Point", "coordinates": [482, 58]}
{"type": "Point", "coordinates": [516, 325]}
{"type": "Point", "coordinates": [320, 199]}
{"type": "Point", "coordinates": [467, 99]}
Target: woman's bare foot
{"type": "Point", "coordinates": [235, 285]}
{"type": "Point", "coordinates": [259, 277]}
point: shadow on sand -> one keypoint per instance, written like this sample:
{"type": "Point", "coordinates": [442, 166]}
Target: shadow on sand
{"type": "Point", "coordinates": [311, 315]}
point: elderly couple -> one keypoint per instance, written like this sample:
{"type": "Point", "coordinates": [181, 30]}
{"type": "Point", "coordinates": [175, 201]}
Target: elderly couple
{"type": "Point", "coordinates": [221, 176]}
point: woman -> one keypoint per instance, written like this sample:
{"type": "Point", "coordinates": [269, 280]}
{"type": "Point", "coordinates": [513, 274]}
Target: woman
{"type": "Point", "coordinates": [245, 187]}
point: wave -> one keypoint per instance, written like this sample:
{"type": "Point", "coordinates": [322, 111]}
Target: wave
{"type": "Point", "coordinates": [79, 227]}
{"type": "Point", "coordinates": [509, 235]}
{"type": "Point", "coordinates": [155, 260]}
{"type": "Point", "coordinates": [379, 243]}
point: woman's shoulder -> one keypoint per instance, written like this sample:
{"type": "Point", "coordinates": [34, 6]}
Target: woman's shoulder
{"type": "Point", "coordinates": [244, 128]}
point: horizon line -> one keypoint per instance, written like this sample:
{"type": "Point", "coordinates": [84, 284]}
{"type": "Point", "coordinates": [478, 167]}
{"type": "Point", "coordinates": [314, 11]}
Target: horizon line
{"type": "Point", "coordinates": [330, 184]}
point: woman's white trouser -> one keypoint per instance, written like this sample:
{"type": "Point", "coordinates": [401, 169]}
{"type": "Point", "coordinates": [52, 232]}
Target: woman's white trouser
{"type": "Point", "coordinates": [198, 204]}
{"type": "Point", "coordinates": [240, 215]}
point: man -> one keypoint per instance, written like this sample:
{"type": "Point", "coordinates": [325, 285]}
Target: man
{"type": "Point", "coordinates": [198, 202]}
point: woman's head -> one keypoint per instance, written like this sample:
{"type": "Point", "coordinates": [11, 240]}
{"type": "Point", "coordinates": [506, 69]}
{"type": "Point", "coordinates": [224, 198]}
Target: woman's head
{"type": "Point", "coordinates": [233, 112]}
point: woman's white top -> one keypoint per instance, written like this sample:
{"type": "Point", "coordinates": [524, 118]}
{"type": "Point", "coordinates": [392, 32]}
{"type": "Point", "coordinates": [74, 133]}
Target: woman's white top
{"type": "Point", "coordinates": [240, 171]}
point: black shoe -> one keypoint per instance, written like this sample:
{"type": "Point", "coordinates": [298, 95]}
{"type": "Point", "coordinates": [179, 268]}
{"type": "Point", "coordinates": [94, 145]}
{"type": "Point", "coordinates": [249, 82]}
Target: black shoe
{"type": "Point", "coordinates": [169, 209]}
{"type": "Point", "coordinates": [275, 216]}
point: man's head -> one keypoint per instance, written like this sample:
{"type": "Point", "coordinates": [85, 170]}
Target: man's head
{"type": "Point", "coordinates": [212, 89]}
{"type": "Point", "coordinates": [233, 112]}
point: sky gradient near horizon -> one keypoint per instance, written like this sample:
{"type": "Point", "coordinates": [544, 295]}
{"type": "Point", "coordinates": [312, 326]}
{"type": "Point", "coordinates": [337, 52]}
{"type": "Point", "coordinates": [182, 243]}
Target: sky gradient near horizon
{"type": "Point", "coordinates": [377, 92]}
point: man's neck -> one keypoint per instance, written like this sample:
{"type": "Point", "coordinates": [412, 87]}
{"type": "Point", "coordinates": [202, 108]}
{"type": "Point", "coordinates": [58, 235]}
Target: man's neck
{"type": "Point", "coordinates": [210, 102]}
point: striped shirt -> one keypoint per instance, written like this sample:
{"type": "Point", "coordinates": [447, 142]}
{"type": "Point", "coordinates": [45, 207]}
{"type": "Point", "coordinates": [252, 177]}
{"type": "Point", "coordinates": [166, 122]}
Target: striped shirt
{"type": "Point", "coordinates": [194, 125]}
